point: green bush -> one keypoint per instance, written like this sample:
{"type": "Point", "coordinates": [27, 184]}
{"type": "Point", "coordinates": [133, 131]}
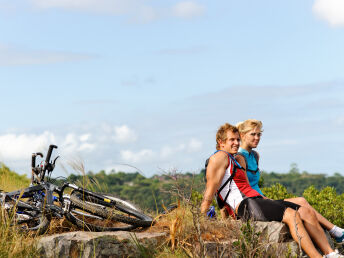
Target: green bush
{"type": "Point", "coordinates": [277, 192]}
{"type": "Point", "coordinates": [327, 202]}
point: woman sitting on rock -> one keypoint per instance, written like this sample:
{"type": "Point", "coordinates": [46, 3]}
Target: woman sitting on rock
{"type": "Point", "coordinates": [250, 133]}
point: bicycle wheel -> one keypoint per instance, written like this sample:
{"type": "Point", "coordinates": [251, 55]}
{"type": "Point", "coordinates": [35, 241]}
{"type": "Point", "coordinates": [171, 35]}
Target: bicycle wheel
{"type": "Point", "coordinates": [30, 218]}
{"type": "Point", "coordinates": [120, 201]}
{"type": "Point", "coordinates": [110, 210]}
{"type": "Point", "coordinates": [89, 221]}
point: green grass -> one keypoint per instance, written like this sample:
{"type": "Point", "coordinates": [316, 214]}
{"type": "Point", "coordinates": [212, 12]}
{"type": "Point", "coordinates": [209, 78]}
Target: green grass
{"type": "Point", "coordinates": [10, 181]}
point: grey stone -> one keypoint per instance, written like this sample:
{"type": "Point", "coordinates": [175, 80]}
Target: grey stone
{"type": "Point", "coordinates": [275, 232]}
{"type": "Point", "coordinates": [98, 244]}
{"type": "Point", "coordinates": [130, 244]}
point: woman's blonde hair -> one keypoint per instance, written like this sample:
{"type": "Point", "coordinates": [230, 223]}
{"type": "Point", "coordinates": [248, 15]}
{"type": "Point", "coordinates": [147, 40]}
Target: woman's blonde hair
{"type": "Point", "coordinates": [221, 134]}
{"type": "Point", "coordinates": [249, 125]}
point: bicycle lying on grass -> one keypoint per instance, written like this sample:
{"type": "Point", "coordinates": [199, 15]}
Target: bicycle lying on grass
{"type": "Point", "coordinates": [35, 206]}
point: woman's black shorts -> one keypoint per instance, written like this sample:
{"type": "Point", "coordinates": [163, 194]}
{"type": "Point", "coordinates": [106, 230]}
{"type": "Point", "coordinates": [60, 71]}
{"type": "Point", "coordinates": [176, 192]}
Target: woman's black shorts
{"type": "Point", "coordinates": [258, 208]}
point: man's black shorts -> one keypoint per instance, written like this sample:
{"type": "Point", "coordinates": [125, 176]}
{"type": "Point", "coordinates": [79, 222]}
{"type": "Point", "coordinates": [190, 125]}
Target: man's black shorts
{"type": "Point", "coordinates": [258, 208]}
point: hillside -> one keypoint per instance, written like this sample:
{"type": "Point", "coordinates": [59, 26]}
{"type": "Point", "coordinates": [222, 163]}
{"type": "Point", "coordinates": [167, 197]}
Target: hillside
{"type": "Point", "coordinates": [10, 180]}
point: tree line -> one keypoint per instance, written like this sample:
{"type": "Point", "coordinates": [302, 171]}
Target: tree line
{"type": "Point", "coordinates": [159, 191]}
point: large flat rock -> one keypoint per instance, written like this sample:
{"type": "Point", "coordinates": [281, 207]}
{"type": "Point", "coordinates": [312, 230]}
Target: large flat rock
{"type": "Point", "coordinates": [275, 238]}
{"type": "Point", "coordinates": [98, 244]}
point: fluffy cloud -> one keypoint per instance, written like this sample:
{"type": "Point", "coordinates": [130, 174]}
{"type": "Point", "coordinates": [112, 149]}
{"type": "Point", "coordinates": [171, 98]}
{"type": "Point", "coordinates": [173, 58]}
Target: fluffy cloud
{"type": "Point", "coordinates": [15, 147]}
{"type": "Point", "coordinates": [331, 11]}
{"type": "Point", "coordinates": [117, 133]}
{"type": "Point", "coordinates": [165, 153]}
{"type": "Point", "coordinates": [123, 134]}
{"type": "Point", "coordinates": [141, 156]}
{"type": "Point", "coordinates": [75, 143]}
{"type": "Point", "coordinates": [20, 146]}
{"type": "Point", "coordinates": [188, 9]}
{"type": "Point", "coordinates": [193, 145]}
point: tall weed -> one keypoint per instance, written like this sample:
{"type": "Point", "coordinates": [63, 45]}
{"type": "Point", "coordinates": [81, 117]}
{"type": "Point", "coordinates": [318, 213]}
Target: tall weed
{"type": "Point", "coordinates": [14, 243]}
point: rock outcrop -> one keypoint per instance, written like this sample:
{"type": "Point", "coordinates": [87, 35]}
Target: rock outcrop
{"type": "Point", "coordinates": [98, 244]}
{"type": "Point", "coordinates": [127, 244]}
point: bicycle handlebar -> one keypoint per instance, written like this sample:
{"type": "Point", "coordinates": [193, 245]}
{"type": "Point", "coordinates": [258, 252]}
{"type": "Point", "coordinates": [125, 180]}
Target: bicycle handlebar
{"type": "Point", "coordinates": [33, 160]}
{"type": "Point", "coordinates": [51, 147]}
{"type": "Point", "coordinates": [48, 167]}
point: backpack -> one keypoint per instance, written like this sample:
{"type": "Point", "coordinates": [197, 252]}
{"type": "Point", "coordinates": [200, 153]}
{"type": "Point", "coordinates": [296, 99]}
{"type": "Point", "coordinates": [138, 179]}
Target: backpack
{"type": "Point", "coordinates": [255, 155]}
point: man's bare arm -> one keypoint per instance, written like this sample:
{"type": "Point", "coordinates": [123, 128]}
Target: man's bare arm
{"type": "Point", "coordinates": [217, 166]}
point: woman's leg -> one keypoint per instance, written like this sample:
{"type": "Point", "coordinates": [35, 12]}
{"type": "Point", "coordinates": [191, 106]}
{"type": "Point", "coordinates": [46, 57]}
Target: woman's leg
{"type": "Point", "coordinates": [303, 203]}
{"type": "Point", "coordinates": [299, 233]}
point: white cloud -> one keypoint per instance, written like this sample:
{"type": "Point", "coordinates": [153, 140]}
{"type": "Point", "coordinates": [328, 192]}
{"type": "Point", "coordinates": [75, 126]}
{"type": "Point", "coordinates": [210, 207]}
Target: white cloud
{"type": "Point", "coordinates": [85, 137]}
{"type": "Point", "coordinates": [124, 134]}
{"type": "Point", "coordinates": [87, 147]}
{"type": "Point", "coordinates": [70, 143]}
{"type": "Point", "coordinates": [188, 9]}
{"type": "Point", "coordinates": [113, 6]}
{"type": "Point", "coordinates": [194, 145]}
{"type": "Point", "coordinates": [331, 11]}
{"type": "Point", "coordinates": [339, 121]}
{"type": "Point", "coordinates": [16, 147]}
{"type": "Point", "coordinates": [73, 143]}
{"type": "Point", "coordinates": [20, 146]}
{"type": "Point", "coordinates": [137, 11]}
{"type": "Point", "coordinates": [166, 151]}
{"type": "Point", "coordinates": [10, 55]}
{"type": "Point", "coordinates": [144, 155]}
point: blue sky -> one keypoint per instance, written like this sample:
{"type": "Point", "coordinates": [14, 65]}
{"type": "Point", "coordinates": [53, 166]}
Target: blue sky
{"type": "Point", "coordinates": [147, 83]}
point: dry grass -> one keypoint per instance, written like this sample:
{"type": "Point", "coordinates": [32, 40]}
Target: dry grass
{"type": "Point", "coordinates": [232, 238]}
{"type": "Point", "coordinates": [183, 240]}
{"type": "Point", "coordinates": [14, 243]}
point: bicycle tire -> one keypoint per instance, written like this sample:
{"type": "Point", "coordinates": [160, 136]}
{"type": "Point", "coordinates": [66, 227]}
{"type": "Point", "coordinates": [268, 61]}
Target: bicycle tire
{"type": "Point", "coordinates": [113, 211]}
{"type": "Point", "coordinates": [121, 201]}
{"type": "Point", "coordinates": [87, 221]}
{"type": "Point", "coordinates": [38, 222]}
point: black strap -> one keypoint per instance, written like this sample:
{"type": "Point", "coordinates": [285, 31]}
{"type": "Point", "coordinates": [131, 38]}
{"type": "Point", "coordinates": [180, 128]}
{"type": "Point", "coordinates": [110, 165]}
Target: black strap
{"type": "Point", "coordinates": [255, 155]}
{"type": "Point", "coordinates": [229, 180]}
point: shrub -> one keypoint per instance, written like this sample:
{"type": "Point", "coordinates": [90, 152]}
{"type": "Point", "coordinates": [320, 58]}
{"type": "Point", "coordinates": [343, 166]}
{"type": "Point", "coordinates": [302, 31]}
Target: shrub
{"type": "Point", "coordinates": [277, 192]}
{"type": "Point", "coordinates": [327, 202]}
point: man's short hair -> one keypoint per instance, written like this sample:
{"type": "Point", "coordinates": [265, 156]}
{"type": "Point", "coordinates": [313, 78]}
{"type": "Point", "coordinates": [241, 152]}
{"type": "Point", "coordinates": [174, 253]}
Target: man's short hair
{"type": "Point", "coordinates": [221, 134]}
